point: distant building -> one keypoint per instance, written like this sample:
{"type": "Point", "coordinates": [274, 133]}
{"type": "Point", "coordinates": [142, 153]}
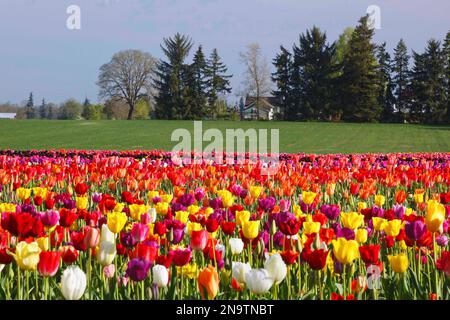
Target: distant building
{"type": "Point", "coordinates": [269, 107]}
{"type": "Point", "coordinates": [8, 115]}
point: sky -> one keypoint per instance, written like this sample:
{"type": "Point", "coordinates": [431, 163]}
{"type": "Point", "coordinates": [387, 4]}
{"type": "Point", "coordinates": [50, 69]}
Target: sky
{"type": "Point", "coordinates": [40, 54]}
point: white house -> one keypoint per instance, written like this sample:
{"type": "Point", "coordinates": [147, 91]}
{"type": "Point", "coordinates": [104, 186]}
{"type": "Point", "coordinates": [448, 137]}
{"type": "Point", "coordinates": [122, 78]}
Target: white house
{"type": "Point", "coordinates": [7, 115]}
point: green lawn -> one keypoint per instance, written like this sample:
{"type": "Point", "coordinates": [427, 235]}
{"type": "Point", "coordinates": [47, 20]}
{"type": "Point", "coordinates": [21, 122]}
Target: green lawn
{"type": "Point", "coordinates": [294, 136]}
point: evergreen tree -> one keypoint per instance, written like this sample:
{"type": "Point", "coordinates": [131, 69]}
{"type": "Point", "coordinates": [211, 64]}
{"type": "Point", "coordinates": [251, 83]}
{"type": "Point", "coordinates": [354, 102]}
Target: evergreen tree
{"type": "Point", "coordinates": [360, 76]}
{"type": "Point", "coordinates": [401, 79]}
{"type": "Point", "coordinates": [418, 88]}
{"type": "Point", "coordinates": [217, 79]}
{"type": "Point", "coordinates": [43, 110]}
{"type": "Point", "coordinates": [385, 96]}
{"type": "Point", "coordinates": [428, 84]}
{"type": "Point", "coordinates": [197, 85]}
{"type": "Point", "coordinates": [29, 107]}
{"type": "Point", "coordinates": [86, 109]}
{"type": "Point", "coordinates": [282, 79]}
{"type": "Point", "coordinates": [170, 81]}
{"type": "Point", "coordinates": [314, 59]}
{"type": "Point", "coordinates": [446, 54]}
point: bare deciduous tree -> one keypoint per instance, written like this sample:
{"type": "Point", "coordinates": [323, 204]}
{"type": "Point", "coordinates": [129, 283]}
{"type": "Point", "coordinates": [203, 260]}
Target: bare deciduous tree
{"type": "Point", "coordinates": [257, 74]}
{"type": "Point", "coordinates": [127, 77]}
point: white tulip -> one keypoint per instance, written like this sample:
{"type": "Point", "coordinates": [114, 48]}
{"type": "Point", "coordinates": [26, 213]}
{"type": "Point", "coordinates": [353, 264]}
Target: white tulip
{"type": "Point", "coordinates": [276, 267]}
{"type": "Point", "coordinates": [239, 270]}
{"type": "Point", "coordinates": [160, 275]}
{"type": "Point", "coordinates": [1, 267]}
{"type": "Point", "coordinates": [236, 245]}
{"type": "Point", "coordinates": [106, 253]}
{"type": "Point", "coordinates": [258, 281]}
{"type": "Point", "coordinates": [107, 235]}
{"type": "Point", "coordinates": [73, 283]}
{"type": "Point", "coordinates": [152, 213]}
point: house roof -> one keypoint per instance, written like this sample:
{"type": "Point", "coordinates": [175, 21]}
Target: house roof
{"type": "Point", "coordinates": [266, 102]}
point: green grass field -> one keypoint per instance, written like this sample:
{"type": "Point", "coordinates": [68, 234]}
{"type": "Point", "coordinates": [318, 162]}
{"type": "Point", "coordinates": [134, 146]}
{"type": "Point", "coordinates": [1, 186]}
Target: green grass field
{"type": "Point", "coordinates": [152, 134]}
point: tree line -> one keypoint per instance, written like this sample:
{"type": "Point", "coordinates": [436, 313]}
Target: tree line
{"type": "Point", "coordinates": [354, 79]}
{"type": "Point", "coordinates": [351, 79]}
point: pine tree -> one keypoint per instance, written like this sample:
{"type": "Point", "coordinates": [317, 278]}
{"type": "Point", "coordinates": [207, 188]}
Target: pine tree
{"type": "Point", "coordinates": [418, 88]}
{"type": "Point", "coordinates": [86, 108]}
{"type": "Point", "coordinates": [360, 77]}
{"type": "Point", "coordinates": [314, 59]}
{"type": "Point", "coordinates": [385, 96]}
{"type": "Point", "coordinates": [170, 80]}
{"type": "Point", "coordinates": [217, 79]}
{"type": "Point", "coordinates": [43, 109]}
{"type": "Point", "coordinates": [401, 79]}
{"type": "Point", "coordinates": [29, 107]}
{"type": "Point", "coordinates": [282, 79]}
{"type": "Point", "coordinates": [446, 53]}
{"type": "Point", "coordinates": [428, 84]}
{"type": "Point", "coordinates": [197, 85]}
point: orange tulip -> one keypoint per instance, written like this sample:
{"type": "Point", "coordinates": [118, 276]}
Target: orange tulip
{"type": "Point", "coordinates": [208, 280]}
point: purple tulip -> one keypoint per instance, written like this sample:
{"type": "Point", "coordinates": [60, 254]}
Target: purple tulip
{"type": "Point", "coordinates": [199, 193]}
{"type": "Point", "coordinates": [186, 199]}
{"type": "Point", "coordinates": [96, 197]}
{"type": "Point", "coordinates": [415, 230]}
{"type": "Point", "coordinates": [267, 204]}
{"type": "Point", "coordinates": [50, 218]}
{"type": "Point", "coordinates": [346, 233]}
{"type": "Point", "coordinates": [377, 212]}
{"type": "Point", "coordinates": [399, 210]}
{"type": "Point", "coordinates": [330, 211]}
{"type": "Point", "coordinates": [442, 240]}
{"type": "Point", "coordinates": [137, 269]}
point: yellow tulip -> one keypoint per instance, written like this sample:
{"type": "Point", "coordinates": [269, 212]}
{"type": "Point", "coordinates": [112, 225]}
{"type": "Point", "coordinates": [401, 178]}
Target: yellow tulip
{"type": "Point", "coordinates": [119, 207]}
{"type": "Point", "coordinates": [379, 223]}
{"type": "Point", "coordinates": [418, 196]}
{"type": "Point", "coordinates": [226, 197]}
{"type": "Point", "coordinates": [435, 216]}
{"type": "Point", "coordinates": [361, 235]}
{"type": "Point", "coordinates": [193, 226]}
{"type": "Point", "coordinates": [116, 221]}
{"type": "Point", "coordinates": [399, 263]}
{"type": "Point", "coordinates": [380, 200]}
{"type": "Point", "coordinates": [23, 193]}
{"type": "Point", "coordinates": [250, 229]}
{"type": "Point", "coordinates": [255, 191]}
{"type": "Point", "coordinates": [182, 216]}
{"type": "Point", "coordinates": [297, 210]}
{"type": "Point", "coordinates": [352, 220]}
{"type": "Point", "coordinates": [40, 192]}
{"type": "Point", "coordinates": [7, 207]}
{"type": "Point", "coordinates": [136, 210]}
{"type": "Point", "coordinates": [81, 203]}
{"type": "Point", "coordinates": [392, 228]}
{"type": "Point", "coordinates": [345, 251]}
{"type": "Point", "coordinates": [27, 255]}
{"type": "Point", "coordinates": [167, 198]}
{"type": "Point", "coordinates": [162, 208]}
{"type": "Point", "coordinates": [361, 206]}
{"type": "Point", "coordinates": [311, 227]}
{"type": "Point", "coordinates": [208, 211]}
{"type": "Point", "coordinates": [189, 270]}
{"type": "Point", "coordinates": [43, 243]}
{"type": "Point", "coordinates": [408, 211]}
{"type": "Point", "coordinates": [193, 209]}
{"type": "Point", "coordinates": [152, 194]}
{"type": "Point", "coordinates": [242, 216]}
{"type": "Point", "coordinates": [308, 197]}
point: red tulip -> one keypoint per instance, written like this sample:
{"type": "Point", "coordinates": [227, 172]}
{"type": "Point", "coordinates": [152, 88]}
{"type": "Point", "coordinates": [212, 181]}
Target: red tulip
{"type": "Point", "coordinates": [48, 263]}
{"type": "Point", "coordinates": [228, 227]}
{"type": "Point", "coordinates": [290, 227]}
{"type": "Point", "coordinates": [69, 254]}
{"type": "Point", "coordinates": [78, 240]}
{"type": "Point", "coordinates": [369, 253]}
{"type": "Point", "coordinates": [81, 189]}
{"type": "Point", "coordinates": [316, 258]}
{"type": "Point", "coordinates": [159, 228]}
{"type": "Point", "coordinates": [181, 257]}
{"type": "Point", "coordinates": [49, 203]}
{"type": "Point", "coordinates": [67, 217]}
{"type": "Point", "coordinates": [6, 258]}
{"type": "Point", "coordinates": [289, 256]}
{"type": "Point", "coordinates": [199, 239]}
{"type": "Point", "coordinates": [145, 252]}
{"type": "Point", "coordinates": [212, 225]}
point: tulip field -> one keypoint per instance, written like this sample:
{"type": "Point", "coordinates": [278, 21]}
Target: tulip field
{"type": "Point", "coordinates": [132, 225]}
